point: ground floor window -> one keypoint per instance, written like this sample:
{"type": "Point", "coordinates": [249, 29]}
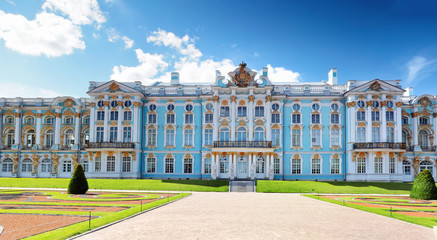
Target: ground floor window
{"type": "Point", "coordinates": [361, 165]}
{"type": "Point", "coordinates": [85, 166]}
{"type": "Point", "coordinates": [66, 166]}
{"type": "Point", "coordinates": [46, 165]}
{"type": "Point", "coordinates": [335, 166]}
{"type": "Point", "coordinates": [426, 165]}
{"type": "Point", "coordinates": [207, 166]}
{"type": "Point", "coordinates": [406, 167]}
{"type": "Point", "coordinates": [276, 166]}
{"type": "Point", "coordinates": [7, 165]}
{"type": "Point", "coordinates": [26, 165]}
{"type": "Point", "coordinates": [98, 164]}
{"type": "Point", "coordinates": [126, 164]}
{"type": "Point", "coordinates": [260, 165]}
{"type": "Point", "coordinates": [378, 164]}
{"type": "Point", "coordinates": [392, 165]}
{"type": "Point", "coordinates": [295, 166]}
{"type": "Point", "coordinates": [315, 166]}
{"type": "Point", "coordinates": [151, 165]}
{"type": "Point", "coordinates": [224, 165]}
{"type": "Point", "coordinates": [169, 165]}
{"type": "Point", "coordinates": [110, 164]}
{"type": "Point", "coordinates": [188, 165]}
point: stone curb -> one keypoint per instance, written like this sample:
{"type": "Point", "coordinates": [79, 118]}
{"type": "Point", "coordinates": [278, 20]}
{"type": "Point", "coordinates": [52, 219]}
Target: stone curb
{"type": "Point", "coordinates": [126, 218]}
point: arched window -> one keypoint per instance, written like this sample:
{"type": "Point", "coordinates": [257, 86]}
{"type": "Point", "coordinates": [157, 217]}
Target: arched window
{"type": "Point", "coordinates": [406, 165]}
{"type": "Point", "coordinates": [7, 165]}
{"type": "Point", "coordinates": [361, 116]}
{"type": "Point", "coordinates": [113, 134]}
{"type": "Point", "coordinates": [423, 121]}
{"type": "Point", "coordinates": [49, 120]}
{"type": "Point", "coordinates": [126, 164]}
{"type": "Point", "coordinates": [189, 118]}
{"type": "Point", "coordinates": [113, 115]}
{"type": "Point", "coordinates": [68, 120]}
{"type": "Point", "coordinates": [188, 165]}
{"type": "Point", "coordinates": [46, 165]}
{"type": "Point", "coordinates": [48, 138]}
{"type": "Point", "coordinates": [423, 140]}
{"type": "Point", "coordinates": [169, 165]}
{"type": "Point", "coordinates": [276, 136]}
{"type": "Point", "coordinates": [361, 165]}
{"type": "Point", "coordinates": [127, 115]}
{"type": "Point", "coordinates": [315, 165]}
{"type": "Point", "coordinates": [29, 120]}
{"type": "Point", "coordinates": [85, 165]}
{"type": "Point", "coordinates": [66, 166]}
{"type": "Point", "coordinates": [9, 120]}
{"type": "Point", "coordinates": [86, 137]}
{"type": "Point", "coordinates": [224, 134]}
{"type": "Point", "coordinates": [151, 165]}
{"type": "Point", "coordinates": [375, 115]}
{"type": "Point", "coordinates": [169, 137]}
{"type": "Point", "coordinates": [10, 138]}
{"type": "Point", "coordinates": [361, 134]}
{"type": "Point", "coordinates": [151, 137]}
{"type": "Point", "coordinates": [241, 134]}
{"type": "Point", "coordinates": [405, 136]}
{"type": "Point", "coordinates": [86, 120]}
{"type": "Point", "coordinates": [259, 134]}
{"type": "Point", "coordinates": [69, 138]}
{"type": "Point", "coordinates": [29, 138]}
{"type": "Point", "coordinates": [208, 136]}
{"type": "Point", "coordinates": [405, 120]}
{"type": "Point", "coordinates": [26, 165]}
{"type": "Point", "coordinates": [127, 134]}
{"type": "Point", "coordinates": [426, 165]}
{"type": "Point", "coordinates": [295, 118]}
{"type": "Point", "coordinates": [295, 166]}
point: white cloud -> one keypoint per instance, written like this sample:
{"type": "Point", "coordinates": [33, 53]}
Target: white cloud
{"type": "Point", "coordinates": [81, 12]}
{"type": "Point", "coordinates": [153, 67]}
{"type": "Point", "coordinates": [20, 90]}
{"type": "Point", "coordinates": [11, 2]}
{"type": "Point", "coordinates": [280, 74]}
{"type": "Point", "coordinates": [255, 54]}
{"type": "Point", "coordinates": [128, 43]}
{"type": "Point", "coordinates": [48, 34]}
{"type": "Point", "coordinates": [150, 65]}
{"type": "Point", "coordinates": [183, 44]}
{"type": "Point", "coordinates": [419, 65]}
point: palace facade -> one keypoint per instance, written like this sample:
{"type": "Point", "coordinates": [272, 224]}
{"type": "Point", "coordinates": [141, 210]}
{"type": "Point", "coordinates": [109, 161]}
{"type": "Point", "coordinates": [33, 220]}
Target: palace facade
{"type": "Point", "coordinates": [240, 127]}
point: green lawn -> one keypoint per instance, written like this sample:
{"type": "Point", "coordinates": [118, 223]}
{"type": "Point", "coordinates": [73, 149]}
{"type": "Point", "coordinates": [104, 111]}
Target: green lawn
{"type": "Point", "coordinates": [122, 184]}
{"type": "Point", "coordinates": [424, 221]}
{"type": "Point", "coordinates": [332, 187]}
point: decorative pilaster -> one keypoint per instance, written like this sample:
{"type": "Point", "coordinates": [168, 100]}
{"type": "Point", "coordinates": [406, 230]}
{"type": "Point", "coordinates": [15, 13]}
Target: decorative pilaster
{"type": "Point", "coordinates": [77, 125]}
{"type": "Point", "coordinates": [398, 128]}
{"type": "Point", "coordinates": [92, 121]}
{"type": "Point", "coordinates": [105, 121]}
{"type": "Point", "coordinates": [38, 130]}
{"type": "Point", "coordinates": [17, 139]}
{"type": "Point", "coordinates": [136, 121]}
{"type": "Point", "coordinates": [414, 129]}
{"type": "Point", "coordinates": [369, 122]}
{"type": "Point", "coordinates": [120, 121]}
{"type": "Point", "coordinates": [267, 167]}
{"type": "Point", "coordinates": [383, 120]}
{"type": "Point", "coordinates": [57, 127]}
{"type": "Point", "coordinates": [268, 118]}
{"type": "Point", "coordinates": [215, 118]}
{"type": "Point", "coordinates": [250, 114]}
{"type": "Point", "coordinates": [249, 170]}
{"type": "Point", "coordinates": [233, 108]}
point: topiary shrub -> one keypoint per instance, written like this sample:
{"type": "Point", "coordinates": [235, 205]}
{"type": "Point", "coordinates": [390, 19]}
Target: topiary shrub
{"type": "Point", "coordinates": [78, 183]}
{"type": "Point", "coordinates": [424, 186]}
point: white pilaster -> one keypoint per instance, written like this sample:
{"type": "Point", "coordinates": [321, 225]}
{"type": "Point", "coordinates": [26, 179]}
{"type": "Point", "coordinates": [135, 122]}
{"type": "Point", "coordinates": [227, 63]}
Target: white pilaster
{"type": "Point", "coordinates": [249, 171]}
{"type": "Point", "coordinates": [384, 122]}
{"type": "Point", "coordinates": [415, 136]}
{"type": "Point", "coordinates": [77, 127]}
{"type": "Point", "coordinates": [136, 121]}
{"type": "Point", "coordinates": [92, 122]}
{"type": "Point", "coordinates": [120, 124]}
{"type": "Point", "coordinates": [435, 126]}
{"type": "Point", "coordinates": [215, 121]}
{"type": "Point", "coordinates": [38, 129]}
{"type": "Point", "coordinates": [267, 166]}
{"type": "Point", "coordinates": [268, 120]}
{"type": "Point", "coordinates": [250, 116]}
{"type": "Point", "coordinates": [106, 120]}
{"type": "Point", "coordinates": [57, 127]}
{"type": "Point", "coordinates": [369, 124]}
{"type": "Point", "coordinates": [234, 163]}
{"type": "Point", "coordinates": [398, 125]}
{"type": "Point", "coordinates": [232, 137]}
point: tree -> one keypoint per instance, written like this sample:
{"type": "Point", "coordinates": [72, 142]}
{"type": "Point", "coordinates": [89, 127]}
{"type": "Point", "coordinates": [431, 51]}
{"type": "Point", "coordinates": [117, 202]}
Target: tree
{"type": "Point", "coordinates": [78, 183]}
{"type": "Point", "coordinates": [424, 186]}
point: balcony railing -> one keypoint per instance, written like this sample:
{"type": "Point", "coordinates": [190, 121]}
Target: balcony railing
{"type": "Point", "coordinates": [110, 145]}
{"type": "Point", "coordinates": [243, 144]}
{"type": "Point", "coordinates": [376, 145]}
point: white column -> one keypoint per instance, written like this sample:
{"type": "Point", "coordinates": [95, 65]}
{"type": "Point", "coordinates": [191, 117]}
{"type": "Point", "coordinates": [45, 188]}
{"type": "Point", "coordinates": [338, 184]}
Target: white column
{"type": "Point", "coordinates": [250, 114]}
{"type": "Point", "coordinates": [214, 166]}
{"type": "Point", "coordinates": [1, 124]}
{"type": "Point", "coordinates": [385, 163]}
{"type": "Point", "coordinates": [77, 128]}
{"type": "Point", "coordinates": [105, 121]}
{"type": "Point", "coordinates": [267, 166]}
{"type": "Point", "coordinates": [384, 122]}
{"type": "Point", "coordinates": [235, 166]}
{"type": "Point", "coordinates": [233, 99]}
{"type": "Point", "coordinates": [352, 125]}
{"type": "Point", "coordinates": [435, 127]}
{"type": "Point", "coordinates": [120, 122]}
{"type": "Point", "coordinates": [92, 122]}
{"type": "Point", "coordinates": [231, 163]}
{"type": "Point", "coordinates": [268, 119]}
{"type": "Point", "coordinates": [249, 171]}
{"type": "Point", "coordinates": [38, 129]}
{"type": "Point", "coordinates": [215, 121]}
{"type": "Point", "coordinates": [415, 136]}
{"type": "Point", "coordinates": [136, 117]}
{"type": "Point", "coordinates": [18, 127]}
{"type": "Point", "coordinates": [398, 125]}
{"type": "Point", "coordinates": [369, 124]}
{"type": "Point", "coordinates": [57, 127]}
{"type": "Point", "coordinates": [370, 163]}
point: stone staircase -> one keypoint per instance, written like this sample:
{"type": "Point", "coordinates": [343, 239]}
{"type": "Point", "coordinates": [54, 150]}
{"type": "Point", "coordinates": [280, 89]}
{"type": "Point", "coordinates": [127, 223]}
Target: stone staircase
{"type": "Point", "coordinates": [242, 186]}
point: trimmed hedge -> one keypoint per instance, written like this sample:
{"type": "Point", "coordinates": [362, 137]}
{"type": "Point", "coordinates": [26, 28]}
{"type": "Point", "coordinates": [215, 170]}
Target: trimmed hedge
{"type": "Point", "coordinates": [424, 186]}
{"type": "Point", "coordinates": [78, 183]}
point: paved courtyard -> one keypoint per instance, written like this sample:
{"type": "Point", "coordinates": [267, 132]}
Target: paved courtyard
{"type": "Point", "coordinates": [259, 216]}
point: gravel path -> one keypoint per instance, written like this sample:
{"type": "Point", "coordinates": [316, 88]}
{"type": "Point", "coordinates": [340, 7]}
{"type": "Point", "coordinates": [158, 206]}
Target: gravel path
{"type": "Point", "coordinates": [259, 216]}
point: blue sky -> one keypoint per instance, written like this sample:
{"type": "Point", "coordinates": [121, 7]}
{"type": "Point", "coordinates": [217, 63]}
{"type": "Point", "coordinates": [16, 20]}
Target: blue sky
{"type": "Point", "coordinates": [55, 47]}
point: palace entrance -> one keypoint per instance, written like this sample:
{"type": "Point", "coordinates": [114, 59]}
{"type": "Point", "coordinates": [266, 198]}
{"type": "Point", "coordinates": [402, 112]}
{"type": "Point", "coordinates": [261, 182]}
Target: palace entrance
{"type": "Point", "coordinates": [242, 171]}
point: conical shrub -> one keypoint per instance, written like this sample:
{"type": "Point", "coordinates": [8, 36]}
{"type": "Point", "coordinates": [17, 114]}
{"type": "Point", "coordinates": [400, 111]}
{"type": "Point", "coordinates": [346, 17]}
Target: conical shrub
{"type": "Point", "coordinates": [78, 183]}
{"type": "Point", "coordinates": [424, 186]}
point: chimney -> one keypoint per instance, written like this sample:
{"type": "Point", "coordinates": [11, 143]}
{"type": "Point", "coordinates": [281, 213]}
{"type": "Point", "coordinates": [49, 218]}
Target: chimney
{"type": "Point", "coordinates": [409, 91]}
{"type": "Point", "coordinates": [265, 71]}
{"type": "Point", "coordinates": [332, 76]}
{"type": "Point", "coordinates": [174, 78]}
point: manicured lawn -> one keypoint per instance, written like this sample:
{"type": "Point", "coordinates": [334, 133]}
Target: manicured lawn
{"type": "Point", "coordinates": [122, 184]}
{"type": "Point", "coordinates": [332, 187]}
{"type": "Point", "coordinates": [422, 214]}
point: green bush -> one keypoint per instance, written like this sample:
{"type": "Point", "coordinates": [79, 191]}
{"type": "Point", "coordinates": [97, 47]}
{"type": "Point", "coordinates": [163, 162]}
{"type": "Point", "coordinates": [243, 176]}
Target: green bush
{"type": "Point", "coordinates": [78, 183]}
{"type": "Point", "coordinates": [424, 186]}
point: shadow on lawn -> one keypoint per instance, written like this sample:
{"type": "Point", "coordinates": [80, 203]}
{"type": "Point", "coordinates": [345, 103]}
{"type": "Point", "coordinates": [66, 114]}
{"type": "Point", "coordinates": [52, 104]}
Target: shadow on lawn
{"type": "Point", "coordinates": [385, 185]}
